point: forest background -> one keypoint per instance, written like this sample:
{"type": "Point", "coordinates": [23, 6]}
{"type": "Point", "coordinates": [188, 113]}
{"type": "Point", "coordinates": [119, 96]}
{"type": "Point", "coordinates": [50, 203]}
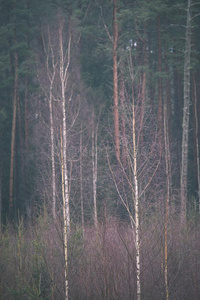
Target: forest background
{"type": "Point", "coordinates": [99, 156]}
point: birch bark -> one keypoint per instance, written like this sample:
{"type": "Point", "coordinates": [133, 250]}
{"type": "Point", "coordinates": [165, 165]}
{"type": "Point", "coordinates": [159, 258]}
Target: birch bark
{"type": "Point", "coordinates": [64, 76]}
{"type": "Point", "coordinates": [65, 227]}
{"type": "Point", "coordinates": [136, 189]}
{"type": "Point", "coordinates": [136, 204]}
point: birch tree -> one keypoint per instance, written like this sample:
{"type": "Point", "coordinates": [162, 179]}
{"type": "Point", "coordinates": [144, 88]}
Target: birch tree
{"type": "Point", "coordinates": [64, 76]}
{"type": "Point", "coordinates": [56, 87]}
{"type": "Point", "coordinates": [50, 69]}
{"type": "Point", "coordinates": [64, 63]}
{"type": "Point", "coordinates": [136, 186]}
{"type": "Point", "coordinates": [65, 226]}
{"type": "Point", "coordinates": [130, 178]}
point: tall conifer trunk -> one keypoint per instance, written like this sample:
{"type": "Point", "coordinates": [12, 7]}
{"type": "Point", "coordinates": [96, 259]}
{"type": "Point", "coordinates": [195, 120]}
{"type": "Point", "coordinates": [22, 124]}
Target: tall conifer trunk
{"type": "Point", "coordinates": [160, 104]}
{"type": "Point", "coordinates": [186, 117]}
{"type": "Point", "coordinates": [196, 125]}
{"type": "Point", "coordinates": [52, 152]}
{"type": "Point", "coordinates": [123, 121]}
{"type": "Point", "coordinates": [168, 194]}
{"type": "Point", "coordinates": [81, 181]}
{"type": "Point", "coordinates": [94, 168]}
{"type": "Point", "coordinates": [13, 137]}
{"type": "Point", "coordinates": [115, 80]}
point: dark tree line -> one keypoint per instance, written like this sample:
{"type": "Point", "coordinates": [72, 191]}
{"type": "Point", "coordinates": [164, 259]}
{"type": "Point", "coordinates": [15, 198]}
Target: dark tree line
{"type": "Point", "coordinates": [150, 36]}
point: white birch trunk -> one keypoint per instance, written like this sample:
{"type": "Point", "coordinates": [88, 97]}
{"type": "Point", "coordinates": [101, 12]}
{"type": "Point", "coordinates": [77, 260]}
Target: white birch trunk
{"type": "Point", "coordinates": [186, 116]}
{"type": "Point", "coordinates": [52, 157]}
{"type": "Point", "coordinates": [136, 204]}
{"type": "Point", "coordinates": [51, 78]}
{"type": "Point", "coordinates": [136, 221]}
{"type": "Point", "coordinates": [65, 227]}
{"type": "Point", "coordinates": [64, 78]}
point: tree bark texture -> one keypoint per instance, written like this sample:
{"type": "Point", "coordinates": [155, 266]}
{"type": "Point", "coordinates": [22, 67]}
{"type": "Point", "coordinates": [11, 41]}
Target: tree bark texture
{"type": "Point", "coordinates": [168, 194]}
{"type": "Point", "coordinates": [196, 137]}
{"type": "Point", "coordinates": [136, 190]}
{"type": "Point", "coordinates": [64, 76]}
{"type": "Point", "coordinates": [81, 180]}
{"type": "Point", "coordinates": [52, 151]}
{"type": "Point", "coordinates": [136, 204]}
{"type": "Point", "coordinates": [65, 226]}
{"type": "Point", "coordinates": [123, 121]}
{"type": "Point", "coordinates": [94, 168]}
{"type": "Point", "coordinates": [13, 137]}
{"type": "Point", "coordinates": [186, 117]}
{"type": "Point", "coordinates": [160, 104]}
{"type": "Point", "coordinates": [115, 80]}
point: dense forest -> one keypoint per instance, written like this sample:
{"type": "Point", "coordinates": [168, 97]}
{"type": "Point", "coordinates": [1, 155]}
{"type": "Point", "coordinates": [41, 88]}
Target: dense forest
{"type": "Point", "coordinates": [100, 149]}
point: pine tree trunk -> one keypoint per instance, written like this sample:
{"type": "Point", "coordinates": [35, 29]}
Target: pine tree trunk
{"type": "Point", "coordinates": [13, 136]}
{"type": "Point", "coordinates": [94, 169]}
{"type": "Point", "coordinates": [168, 194]}
{"type": "Point", "coordinates": [1, 172]}
{"type": "Point", "coordinates": [196, 138]}
{"type": "Point", "coordinates": [52, 152]}
{"type": "Point", "coordinates": [20, 161]}
{"type": "Point", "coordinates": [142, 110]}
{"type": "Point", "coordinates": [81, 181]}
{"type": "Point", "coordinates": [186, 117]}
{"type": "Point", "coordinates": [123, 121]}
{"type": "Point", "coordinates": [168, 104]}
{"type": "Point", "coordinates": [160, 104]}
{"type": "Point", "coordinates": [26, 114]}
{"type": "Point", "coordinates": [115, 80]}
